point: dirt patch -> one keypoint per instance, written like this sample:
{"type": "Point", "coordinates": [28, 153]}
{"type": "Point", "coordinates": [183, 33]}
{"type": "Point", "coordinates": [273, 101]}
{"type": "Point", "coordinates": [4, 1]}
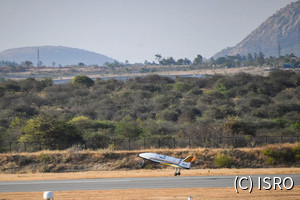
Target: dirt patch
{"type": "Point", "coordinates": [144, 173]}
{"type": "Point", "coordinates": [168, 194]}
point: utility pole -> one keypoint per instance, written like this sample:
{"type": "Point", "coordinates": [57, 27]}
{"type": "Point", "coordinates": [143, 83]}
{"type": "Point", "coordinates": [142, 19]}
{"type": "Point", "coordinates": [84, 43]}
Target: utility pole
{"type": "Point", "coordinates": [38, 58]}
{"type": "Point", "coordinates": [279, 50]}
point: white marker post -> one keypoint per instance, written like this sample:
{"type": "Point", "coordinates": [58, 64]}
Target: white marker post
{"type": "Point", "coordinates": [48, 195]}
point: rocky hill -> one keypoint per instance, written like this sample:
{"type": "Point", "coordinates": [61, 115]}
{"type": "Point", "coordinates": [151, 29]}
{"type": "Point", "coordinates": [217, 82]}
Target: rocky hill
{"type": "Point", "coordinates": [54, 56]}
{"type": "Point", "coordinates": [281, 32]}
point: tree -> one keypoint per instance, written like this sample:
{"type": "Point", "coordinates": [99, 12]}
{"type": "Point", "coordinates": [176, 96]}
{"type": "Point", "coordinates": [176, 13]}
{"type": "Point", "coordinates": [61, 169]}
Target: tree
{"type": "Point", "coordinates": [184, 61]}
{"type": "Point", "coordinates": [15, 129]}
{"type": "Point", "coordinates": [249, 59]}
{"type": "Point", "coordinates": [128, 128]}
{"type": "Point", "coordinates": [82, 122]}
{"type": "Point", "coordinates": [28, 63]}
{"type": "Point", "coordinates": [220, 60]}
{"type": "Point", "coordinates": [158, 57]}
{"type": "Point", "coordinates": [167, 61]}
{"type": "Point", "coordinates": [51, 133]}
{"type": "Point", "coordinates": [198, 60]}
{"type": "Point", "coordinates": [187, 61]}
{"type": "Point", "coordinates": [2, 142]}
{"type": "Point", "coordinates": [82, 80]}
{"type": "Point", "coordinates": [260, 59]}
{"type": "Point", "coordinates": [113, 65]}
{"type": "Point", "coordinates": [236, 126]}
{"type": "Point", "coordinates": [180, 61]}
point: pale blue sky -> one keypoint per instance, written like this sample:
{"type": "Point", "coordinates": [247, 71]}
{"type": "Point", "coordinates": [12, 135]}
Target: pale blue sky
{"type": "Point", "coordinates": [133, 30]}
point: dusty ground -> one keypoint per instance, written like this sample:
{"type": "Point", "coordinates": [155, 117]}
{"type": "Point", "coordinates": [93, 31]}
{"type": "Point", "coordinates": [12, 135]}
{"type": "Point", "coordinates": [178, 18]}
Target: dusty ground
{"type": "Point", "coordinates": [134, 194]}
{"type": "Point", "coordinates": [182, 193]}
{"type": "Point", "coordinates": [93, 73]}
{"type": "Point", "coordinates": [251, 70]}
{"type": "Point", "coordinates": [145, 173]}
{"type": "Point", "coordinates": [165, 194]}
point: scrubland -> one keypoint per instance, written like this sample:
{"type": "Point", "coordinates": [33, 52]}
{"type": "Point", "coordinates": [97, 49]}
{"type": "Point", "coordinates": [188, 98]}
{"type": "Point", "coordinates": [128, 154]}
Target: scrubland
{"type": "Point", "coordinates": [71, 160]}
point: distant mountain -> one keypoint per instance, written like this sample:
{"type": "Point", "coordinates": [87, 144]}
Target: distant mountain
{"type": "Point", "coordinates": [280, 31]}
{"type": "Point", "coordinates": [49, 55]}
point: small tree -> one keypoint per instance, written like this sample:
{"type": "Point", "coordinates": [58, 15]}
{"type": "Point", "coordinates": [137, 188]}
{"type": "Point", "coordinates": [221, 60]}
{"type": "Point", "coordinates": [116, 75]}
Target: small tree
{"type": "Point", "coordinates": [82, 122]}
{"type": "Point", "coordinates": [2, 142]}
{"type": "Point", "coordinates": [50, 133]}
{"type": "Point", "coordinates": [236, 126]}
{"type": "Point", "coordinates": [158, 57]}
{"type": "Point", "coordinates": [198, 60]}
{"type": "Point", "coordinates": [128, 128]}
{"type": "Point", "coordinates": [82, 80]}
{"type": "Point", "coordinates": [28, 63]}
{"type": "Point", "coordinates": [260, 59]}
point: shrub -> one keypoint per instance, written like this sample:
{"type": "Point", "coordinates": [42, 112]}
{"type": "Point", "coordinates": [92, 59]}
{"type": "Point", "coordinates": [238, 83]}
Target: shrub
{"type": "Point", "coordinates": [272, 155]}
{"type": "Point", "coordinates": [282, 155]}
{"type": "Point", "coordinates": [271, 161]}
{"type": "Point", "coordinates": [82, 122]}
{"type": "Point", "coordinates": [45, 158]}
{"type": "Point", "coordinates": [296, 152]}
{"type": "Point", "coordinates": [128, 128]}
{"type": "Point", "coordinates": [95, 140]}
{"type": "Point", "coordinates": [235, 125]}
{"type": "Point", "coordinates": [82, 80]}
{"type": "Point", "coordinates": [51, 133]}
{"type": "Point", "coordinates": [182, 87]}
{"type": "Point", "coordinates": [168, 115]}
{"type": "Point", "coordinates": [212, 96]}
{"type": "Point", "coordinates": [223, 160]}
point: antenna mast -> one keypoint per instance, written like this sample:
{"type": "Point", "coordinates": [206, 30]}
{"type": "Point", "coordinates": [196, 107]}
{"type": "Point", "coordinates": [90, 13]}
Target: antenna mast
{"type": "Point", "coordinates": [279, 50]}
{"type": "Point", "coordinates": [38, 58]}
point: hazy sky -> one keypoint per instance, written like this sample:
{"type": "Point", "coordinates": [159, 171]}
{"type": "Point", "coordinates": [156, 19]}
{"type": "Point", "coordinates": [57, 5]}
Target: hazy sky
{"type": "Point", "coordinates": [133, 30]}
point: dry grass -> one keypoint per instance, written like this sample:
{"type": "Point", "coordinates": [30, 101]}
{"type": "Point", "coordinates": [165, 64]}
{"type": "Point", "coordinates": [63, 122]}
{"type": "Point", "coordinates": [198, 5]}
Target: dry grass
{"type": "Point", "coordinates": [72, 160]}
{"type": "Point", "coordinates": [145, 173]}
{"type": "Point", "coordinates": [167, 194]}
{"type": "Point", "coordinates": [94, 73]}
{"type": "Point", "coordinates": [154, 150]}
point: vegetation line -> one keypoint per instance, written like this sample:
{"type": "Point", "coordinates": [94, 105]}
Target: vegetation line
{"type": "Point", "coordinates": [100, 113]}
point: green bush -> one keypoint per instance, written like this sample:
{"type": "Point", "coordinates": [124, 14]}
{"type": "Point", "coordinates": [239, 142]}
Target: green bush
{"type": "Point", "coordinates": [223, 160]}
{"type": "Point", "coordinates": [271, 161]}
{"type": "Point", "coordinates": [182, 87]}
{"type": "Point", "coordinates": [168, 115]}
{"type": "Point", "coordinates": [83, 81]}
{"type": "Point", "coordinates": [45, 158]}
{"type": "Point", "coordinates": [283, 155]}
{"type": "Point", "coordinates": [273, 156]}
{"type": "Point", "coordinates": [51, 133]}
{"type": "Point", "coordinates": [296, 152]}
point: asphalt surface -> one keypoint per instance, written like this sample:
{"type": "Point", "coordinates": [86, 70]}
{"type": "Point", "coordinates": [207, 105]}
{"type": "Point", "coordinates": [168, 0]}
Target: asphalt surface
{"type": "Point", "coordinates": [137, 183]}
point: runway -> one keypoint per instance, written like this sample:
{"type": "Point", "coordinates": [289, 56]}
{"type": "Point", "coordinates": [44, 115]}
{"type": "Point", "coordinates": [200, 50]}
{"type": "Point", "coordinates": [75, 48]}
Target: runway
{"type": "Point", "coordinates": [131, 183]}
